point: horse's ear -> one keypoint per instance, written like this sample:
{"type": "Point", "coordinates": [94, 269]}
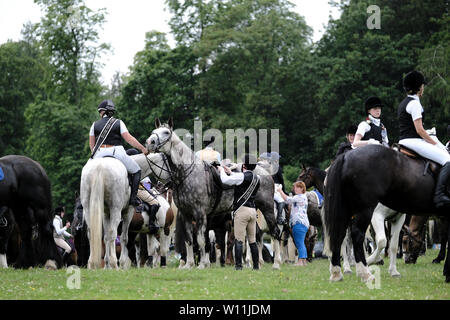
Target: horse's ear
{"type": "Point", "coordinates": [170, 123]}
{"type": "Point", "coordinates": [157, 123]}
{"type": "Point", "coordinates": [76, 194]}
{"type": "Point", "coordinates": [303, 166]}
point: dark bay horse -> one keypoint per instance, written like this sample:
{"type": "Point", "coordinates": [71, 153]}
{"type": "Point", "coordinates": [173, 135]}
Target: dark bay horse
{"type": "Point", "coordinates": [354, 188]}
{"type": "Point", "coordinates": [25, 189]}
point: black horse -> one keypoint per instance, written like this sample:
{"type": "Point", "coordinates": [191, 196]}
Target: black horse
{"type": "Point", "coordinates": [25, 189]}
{"type": "Point", "coordinates": [357, 181]}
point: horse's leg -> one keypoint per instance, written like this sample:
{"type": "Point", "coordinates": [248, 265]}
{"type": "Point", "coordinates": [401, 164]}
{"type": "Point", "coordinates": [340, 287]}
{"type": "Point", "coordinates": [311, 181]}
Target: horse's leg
{"type": "Point", "coordinates": [125, 261]}
{"type": "Point", "coordinates": [346, 252]}
{"type": "Point", "coordinates": [190, 262]}
{"type": "Point", "coordinates": [442, 230]}
{"type": "Point", "coordinates": [378, 218]}
{"type": "Point", "coordinates": [109, 238]}
{"type": "Point", "coordinates": [151, 250]}
{"type": "Point", "coordinates": [359, 228]}
{"type": "Point", "coordinates": [396, 226]}
{"type": "Point", "coordinates": [164, 247]}
{"type": "Point", "coordinates": [201, 240]}
{"type": "Point", "coordinates": [220, 239]}
{"type": "Point", "coordinates": [446, 271]}
{"type": "Point", "coordinates": [276, 252]}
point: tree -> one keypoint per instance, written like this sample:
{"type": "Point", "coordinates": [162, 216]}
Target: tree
{"type": "Point", "coordinates": [23, 72]}
{"type": "Point", "coordinates": [68, 34]}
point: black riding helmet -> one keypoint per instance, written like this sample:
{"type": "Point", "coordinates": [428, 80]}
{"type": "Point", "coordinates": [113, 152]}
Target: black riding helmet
{"type": "Point", "coordinates": [107, 105]}
{"type": "Point", "coordinates": [351, 129]}
{"type": "Point", "coordinates": [372, 102]}
{"type": "Point", "coordinates": [413, 80]}
{"type": "Point", "coordinates": [59, 210]}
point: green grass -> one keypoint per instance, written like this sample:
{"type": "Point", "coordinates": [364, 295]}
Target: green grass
{"type": "Point", "coordinates": [421, 281]}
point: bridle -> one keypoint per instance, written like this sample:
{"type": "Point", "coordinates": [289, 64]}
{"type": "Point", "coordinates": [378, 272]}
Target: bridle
{"type": "Point", "coordinates": [167, 163]}
{"type": "Point", "coordinates": [160, 144]}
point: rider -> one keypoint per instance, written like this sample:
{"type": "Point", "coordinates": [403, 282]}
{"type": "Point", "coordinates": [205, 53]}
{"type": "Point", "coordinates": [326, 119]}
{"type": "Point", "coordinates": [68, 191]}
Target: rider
{"type": "Point", "coordinates": [414, 136]}
{"type": "Point", "coordinates": [146, 194]}
{"type": "Point", "coordinates": [371, 131]}
{"type": "Point", "coordinates": [112, 146]}
{"type": "Point", "coordinates": [347, 145]}
{"type": "Point", "coordinates": [246, 186]}
{"type": "Point", "coordinates": [59, 233]}
{"type": "Point", "coordinates": [208, 154]}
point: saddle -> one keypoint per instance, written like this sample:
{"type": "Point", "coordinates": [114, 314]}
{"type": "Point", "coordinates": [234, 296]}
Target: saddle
{"type": "Point", "coordinates": [431, 167]}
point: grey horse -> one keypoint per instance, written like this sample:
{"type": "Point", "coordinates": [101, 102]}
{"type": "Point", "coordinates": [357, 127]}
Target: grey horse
{"type": "Point", "coordinates": [197, 191]}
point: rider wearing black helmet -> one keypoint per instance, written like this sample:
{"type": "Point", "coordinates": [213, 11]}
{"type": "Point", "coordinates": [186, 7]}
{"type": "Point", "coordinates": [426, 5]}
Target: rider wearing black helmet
{"type": "Point", "coordinates": [111, 143]}
{"type": "Point", "coordinates": [347, 145]}
{"type": "Point", "coordinates": [414, 136]}
{"type": "Point", "coordinates": [371, 131]}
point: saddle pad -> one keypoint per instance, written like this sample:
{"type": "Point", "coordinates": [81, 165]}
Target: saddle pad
{"type": "Point", "coordinates": [2, 175]}
{"type": "Point", "coordinates": [319, 197]}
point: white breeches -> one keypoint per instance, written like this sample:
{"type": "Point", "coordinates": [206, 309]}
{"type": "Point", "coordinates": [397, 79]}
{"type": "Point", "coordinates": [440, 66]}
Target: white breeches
{"type": "Point", "coordinates": [427, 150]}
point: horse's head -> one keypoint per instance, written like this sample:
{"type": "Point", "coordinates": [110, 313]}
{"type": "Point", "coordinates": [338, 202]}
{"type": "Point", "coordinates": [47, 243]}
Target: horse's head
{"type": "Point", "coordinates": [306, 176]}
{"type": "Point", "coordinates": [160, 136]}
{"type": "Point", "coordinates": [411, 246]}
{"type": "Point", "coordinates": [77, 221]}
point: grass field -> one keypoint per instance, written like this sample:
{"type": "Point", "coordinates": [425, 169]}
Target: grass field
{"type": "Point", "coordinates": [423, 280]}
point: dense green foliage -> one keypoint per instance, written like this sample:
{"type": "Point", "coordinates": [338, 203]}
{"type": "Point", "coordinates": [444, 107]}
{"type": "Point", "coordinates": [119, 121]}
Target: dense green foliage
{"type": "Point", "coordinates": [236, 64]}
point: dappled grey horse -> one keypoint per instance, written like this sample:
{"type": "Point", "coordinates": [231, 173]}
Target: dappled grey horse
{"type": "Point", "coordinates": [197, 192]}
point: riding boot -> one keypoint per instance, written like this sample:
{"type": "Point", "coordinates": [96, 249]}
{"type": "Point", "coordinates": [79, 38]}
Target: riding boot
{"type": "Point", "coordinates": [152, 226]}
{"type": "Point", "coordinates": [135, 178]}
{"type": "Point", "coordinates": [441, 199]}
{"type": "Point", "coordinates": [255, 255]}
{"type": "Point", "coordinates": [280, 208]}
{"type": "Point", "coordinates": [65, 258]}
{"type": "Point", "coordinates": [238, 245]}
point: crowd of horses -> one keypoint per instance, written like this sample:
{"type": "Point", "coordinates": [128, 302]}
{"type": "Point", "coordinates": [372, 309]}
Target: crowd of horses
{"type": "Point", "coordinates": [193, 202]}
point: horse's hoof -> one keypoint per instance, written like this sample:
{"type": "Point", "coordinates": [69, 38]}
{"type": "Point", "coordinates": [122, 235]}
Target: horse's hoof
{"type": "Point", "coordinates": [50, 265]}
{"type": "Point", "coordinates": [437, 260]}
{"type": "Point", "coordinates": [276, 266]}
{"type": "Point", "coordinates": [348, 271]}
{"type": "Point", "coordinates": [336, 274]}
{"type": "Point", "coordinates": [368, 277]}
{"type": "Point", "coordinates": [395, 275]}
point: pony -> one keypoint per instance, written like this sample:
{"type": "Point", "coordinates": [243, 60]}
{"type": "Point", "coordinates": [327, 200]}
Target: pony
{"type": "Point", "coordinates": [105, 194]}
{"type": "Point", "coordinates": [198, 194]}
{"type": "Point", "coordinates": [165, 219]}
{"type": "Point", "coordinates": [25, 189]}
{"type": "Point", "coordinates": [354, 189]}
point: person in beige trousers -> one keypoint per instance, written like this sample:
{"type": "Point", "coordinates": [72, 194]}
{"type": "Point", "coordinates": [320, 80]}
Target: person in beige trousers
{"type": "Point", "coordinates": [60, 232]}
{"type": "Point", "coordinates": [246, 186]}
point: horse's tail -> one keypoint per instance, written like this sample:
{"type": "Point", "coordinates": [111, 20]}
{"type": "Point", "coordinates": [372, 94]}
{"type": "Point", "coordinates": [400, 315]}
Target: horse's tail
{"type": "Point", "coordinates": [96, 212]}
{"type": "Point", "coordinates": [334, 215]}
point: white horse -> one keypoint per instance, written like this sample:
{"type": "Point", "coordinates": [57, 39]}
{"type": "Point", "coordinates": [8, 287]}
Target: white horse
{"type": "Point", "coordinates": [104, 195]}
